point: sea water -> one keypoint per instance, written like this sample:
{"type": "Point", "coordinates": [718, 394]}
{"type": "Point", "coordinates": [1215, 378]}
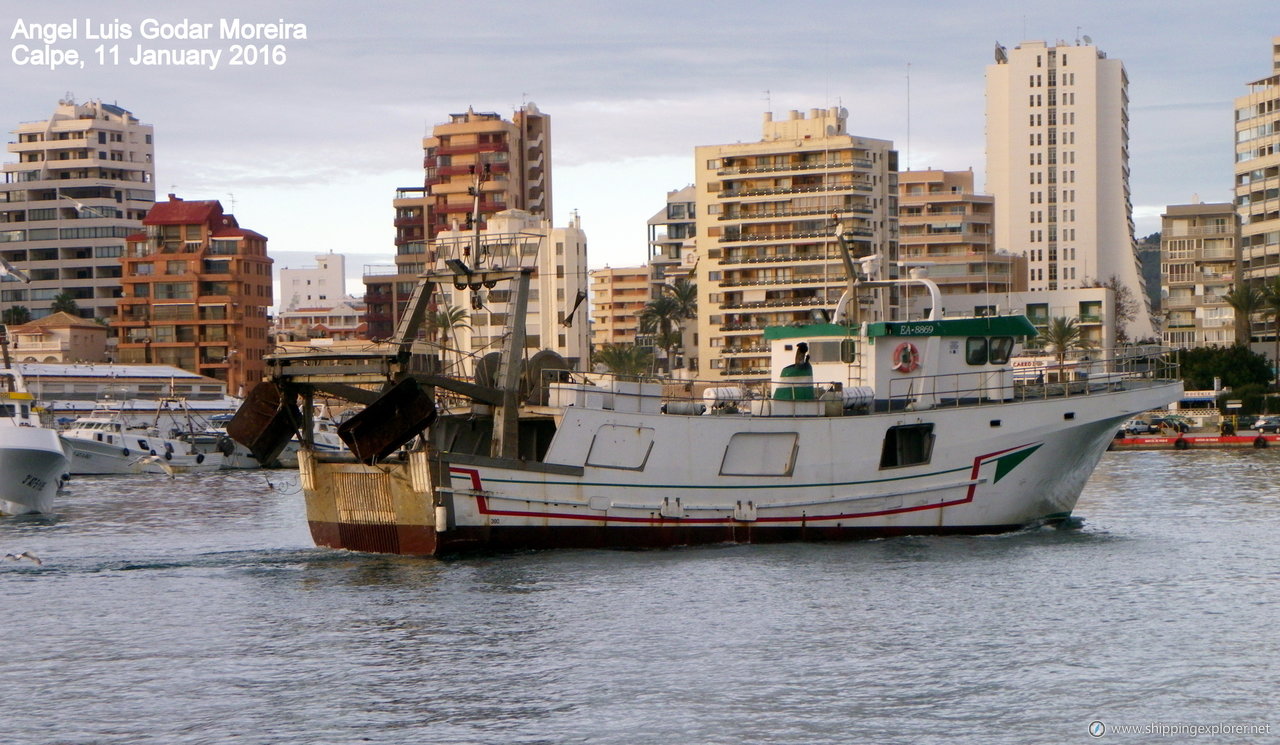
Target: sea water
{"type": "Point", "coordinates": [196, 610]}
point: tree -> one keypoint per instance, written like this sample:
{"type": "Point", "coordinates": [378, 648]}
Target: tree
{"type": "Point", "coordinates": [16, 316]}
{"type": "Point", "coordinates": [1063, 335]}
{"type": "Point", "coordinates": [1271, 307]}
{"type": "Point", "coordinates": [1127, 306]}
{"type": "Point", "coordinates": [441, 323]}
{"type": "Point", "coordinates": [1235, 366]}
{"type": "Point", "coordinates": [1245, 301]}
{"type": "Point", "coordinates": [662, 316]}
{"type": "Point", "coordinates": [624, 360]}
{"type": "Point", "coordinates": [64, 302]}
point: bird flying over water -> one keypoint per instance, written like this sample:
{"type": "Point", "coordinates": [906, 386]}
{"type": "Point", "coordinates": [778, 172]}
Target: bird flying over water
{"type": "Point", "coordinates": [24, 555]}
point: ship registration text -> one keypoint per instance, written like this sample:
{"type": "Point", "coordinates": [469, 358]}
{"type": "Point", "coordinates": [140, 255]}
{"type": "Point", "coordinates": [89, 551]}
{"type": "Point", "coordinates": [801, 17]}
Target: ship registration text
{"type": "Point", "coordinates": [164, 43]}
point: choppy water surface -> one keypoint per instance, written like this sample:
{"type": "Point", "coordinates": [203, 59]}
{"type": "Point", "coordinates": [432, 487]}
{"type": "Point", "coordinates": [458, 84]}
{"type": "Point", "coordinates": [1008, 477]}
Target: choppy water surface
{"type": "Point", "coordinates": [195, 610]}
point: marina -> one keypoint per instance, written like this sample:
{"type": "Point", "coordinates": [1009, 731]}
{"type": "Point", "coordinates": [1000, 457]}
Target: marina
{"type": "Point", "coordinates": [1157, 608]}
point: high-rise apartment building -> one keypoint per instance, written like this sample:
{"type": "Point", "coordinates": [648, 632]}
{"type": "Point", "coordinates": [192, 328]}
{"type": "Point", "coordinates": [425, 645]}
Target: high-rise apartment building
{"type": "Point", "coordinates": [515, 238]}
{"type": "Point", "coordinates": [1058, 167]}
{"type": "Point", "coordinates": [322, 284]}
{"type": "Point", "coordinates": [672, 234]}
{"type": "Point", "coordinates": [1257, 172]}
{"type": "Point", "coordinates": [476, 165]}
{"type": "Point", "coordinates": [82, 183]}
{"type": "Point", "coordinates": [768, 214]}
{"type": "Point", "coordinates": [1199, 248]}
{"type": "Point", "coordinates": [618, 297]}
{"type": "Point", "coordinates": [196, 291]}
{"type": "Point", "coordinates": [945, 228]}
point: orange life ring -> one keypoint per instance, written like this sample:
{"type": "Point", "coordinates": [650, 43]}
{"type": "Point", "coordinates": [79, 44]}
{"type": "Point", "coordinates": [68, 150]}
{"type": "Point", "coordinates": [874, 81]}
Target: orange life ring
{"type": "Point", "coordinates": [906, 357]}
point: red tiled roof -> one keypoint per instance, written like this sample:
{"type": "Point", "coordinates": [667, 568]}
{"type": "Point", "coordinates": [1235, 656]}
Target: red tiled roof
{"type": "Point", "coordinates": [181, 212]}
{"type": "Point", "coordinates": [59, 320]}
{"type": "Point", "coordinates": [234, 232]}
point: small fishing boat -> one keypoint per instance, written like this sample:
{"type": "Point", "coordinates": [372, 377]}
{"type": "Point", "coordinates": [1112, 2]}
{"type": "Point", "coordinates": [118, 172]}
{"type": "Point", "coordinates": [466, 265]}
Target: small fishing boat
{"type": "Point", "coordinates": [33, 460]}
{"type": "Point", "coordinates": [104, 442]}
{"type": "Point", "coordinates": [868, 427]}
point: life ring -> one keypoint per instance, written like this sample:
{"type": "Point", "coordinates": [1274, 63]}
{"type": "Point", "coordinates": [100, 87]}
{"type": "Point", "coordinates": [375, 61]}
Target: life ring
{"type": "Point", "coordinates": [906, 358]}
{"type": "Point", "coordinates": [1181, 444]}
{"type": "Point", "coordinates": [1260, 442]}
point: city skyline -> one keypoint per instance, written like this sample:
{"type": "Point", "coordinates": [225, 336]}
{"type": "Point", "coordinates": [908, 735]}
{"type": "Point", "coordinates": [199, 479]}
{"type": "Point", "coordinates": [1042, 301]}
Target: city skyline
{"type": "Point", "coordinates": [311, 152]}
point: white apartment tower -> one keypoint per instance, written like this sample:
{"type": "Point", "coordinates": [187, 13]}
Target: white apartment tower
{"type": "Point", "coordinates": [1257, 172]}
{"type": "Point", "coordinates": [323, 284]}
{"type": "Point", "coordinates": [82, 183]}
{"type": "Point", "coordinates": [1058, 167]}
{"type": "Point", "coordinates": [768, 215]}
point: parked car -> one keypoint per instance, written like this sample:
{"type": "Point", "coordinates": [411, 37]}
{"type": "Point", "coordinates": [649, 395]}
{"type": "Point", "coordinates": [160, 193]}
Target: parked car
{"type": "Point", "coordinates": [1267, 424]}
{"type": "Point", "coordinates": [1175, 424]}
{"type": "Point", "coordinates": [1138, 427]}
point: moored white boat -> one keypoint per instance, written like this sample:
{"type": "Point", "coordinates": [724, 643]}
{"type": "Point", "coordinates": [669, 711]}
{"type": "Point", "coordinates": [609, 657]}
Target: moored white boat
{"type": "Point", "coordinates": [104, 443]}
{"type": "Point", "coordinates": [33, 460]}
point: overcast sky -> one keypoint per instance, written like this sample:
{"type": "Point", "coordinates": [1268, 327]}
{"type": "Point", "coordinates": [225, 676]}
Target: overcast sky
{"type": "Point", "coordinates": [313, 149]}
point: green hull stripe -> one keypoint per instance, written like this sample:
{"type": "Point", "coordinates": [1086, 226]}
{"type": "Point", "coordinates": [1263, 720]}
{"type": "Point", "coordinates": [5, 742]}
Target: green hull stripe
{"type": "Point", "coordinates": [1006, 463]}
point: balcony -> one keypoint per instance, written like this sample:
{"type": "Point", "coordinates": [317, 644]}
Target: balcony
{"type": "Point", "coordinates": [731, 193]}
{"type": "Point", "coordinates": [798, 236]}
{"type": "Point", "coordinates": [776, 303]}
{"type": "Point", "coordinates": [479, 147]}
{"type": "Point", "coordinates": [852, 163]}
{"type": "Point", "coordinates": [460, 208]}
{"type": "Point", "coordinates": [839, 210]}
{"type": "Point", "coordinates": [776, 259]}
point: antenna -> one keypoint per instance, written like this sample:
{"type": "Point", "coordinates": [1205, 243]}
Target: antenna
{"type": "Point", "coordinates": [768, 101]}
{"type": "Point", "coordinates": [1087, 40]}
{"type": "Point", "coordinates": [908, 158]}
{"type": "Point", "coordinates": [233, 202]}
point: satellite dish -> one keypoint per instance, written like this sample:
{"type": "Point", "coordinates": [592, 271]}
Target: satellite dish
{"type": "Point", "coordinates": [1087, 40]}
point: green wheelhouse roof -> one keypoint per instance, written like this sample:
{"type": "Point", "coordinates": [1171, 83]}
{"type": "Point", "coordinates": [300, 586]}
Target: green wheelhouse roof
{"type": "Point", "coordinates": [805, 332]}
{"type": "Point", "coordinates": [985, 326]}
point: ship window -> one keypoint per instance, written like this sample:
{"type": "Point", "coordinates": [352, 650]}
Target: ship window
{"type": "Point", "coordinates": [975, 350]}
{"type": "Point", "coordinates": [620, 447]}
{"type": "Point", "coordinates": [848, 351]}
{"type": "Point", "coordinates": [907, 445]}
{"type": "Point", "coordinates": [7, 410]}
{"type": "Point", "coordinates": [1001, 348]}
{"type": "Point", "coordinates": [760, 454]}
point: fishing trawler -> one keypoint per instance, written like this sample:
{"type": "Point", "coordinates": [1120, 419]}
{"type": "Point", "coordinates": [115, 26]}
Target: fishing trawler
{"type": "Point", "coordinates": [869, 427]}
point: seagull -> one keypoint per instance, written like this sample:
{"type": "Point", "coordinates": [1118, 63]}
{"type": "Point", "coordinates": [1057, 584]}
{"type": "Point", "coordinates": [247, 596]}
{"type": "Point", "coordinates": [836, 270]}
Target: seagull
{"type": "Point", "coordinates": [24, 555]}
{"type": "Point", "coordinates": [154, 459]}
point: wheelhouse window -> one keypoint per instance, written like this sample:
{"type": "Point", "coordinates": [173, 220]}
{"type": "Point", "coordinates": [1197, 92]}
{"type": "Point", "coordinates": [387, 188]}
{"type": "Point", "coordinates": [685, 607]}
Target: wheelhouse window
{"type": "Point", "coordinates": [975, 350]}
{"type": "Point", "coordinates": [1000, 350]}
{"type": "Point", "coordinates": [907, 445]}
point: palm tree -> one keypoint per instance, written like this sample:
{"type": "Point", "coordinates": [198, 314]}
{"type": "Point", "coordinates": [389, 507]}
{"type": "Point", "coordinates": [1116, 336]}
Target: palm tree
{"type": "Point", "coordinates": [1271, 307]}
{"type": "Point", "coordinates": [16, 316]}
{"type": "Point", "coordinates": [442, 321]}
{"type": "Point", "coordinates": [1245, 300]}
{"type": "Point", "coordinates": [662, 316]}
{"type": "Point", "coordinates": [624, 360]}
{"type": "Point", "coordinates": [1063, 335]}
{"type": "Point", "coordinates": [64, 302]}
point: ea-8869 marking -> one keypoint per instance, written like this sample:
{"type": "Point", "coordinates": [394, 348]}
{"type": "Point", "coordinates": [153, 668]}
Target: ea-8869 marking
{"type": "Point", "coordinates": [263, 54]}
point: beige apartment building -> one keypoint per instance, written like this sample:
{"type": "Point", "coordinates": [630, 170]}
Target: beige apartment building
{"type": "Point", "coordinates": [1257, 172]}
{"type": "Point", "coordinates": [476, 165]}
{"type": "Point", "coordinates": [618, 297]}
{"type": "Point", "coordinates": [768, 213]}
{"type": "Point", "coordinates": [1199, 251]}
{"type": "Point", "coordinates": [82, 183]}
{"type": "Point", "coordinates": [59, 337]}
{"type": "Point", "coordinates": [947, 229]}
{"type": "Point", "coordinates": [1058, 167]}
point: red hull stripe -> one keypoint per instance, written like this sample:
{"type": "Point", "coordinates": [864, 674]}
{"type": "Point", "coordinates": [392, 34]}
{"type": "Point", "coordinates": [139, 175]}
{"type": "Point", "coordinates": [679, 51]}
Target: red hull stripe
{"type": "Point", "coordinates": [482, 503]}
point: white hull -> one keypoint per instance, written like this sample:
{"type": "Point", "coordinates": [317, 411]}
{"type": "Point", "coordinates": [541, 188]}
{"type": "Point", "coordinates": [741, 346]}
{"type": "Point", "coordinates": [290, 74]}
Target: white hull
{"type": "Point", "coordinates": [668, 480]}
{"type": "Point", "coordinates": [92, 458]}
{"type": "Point", "coordinates": [32, 464]}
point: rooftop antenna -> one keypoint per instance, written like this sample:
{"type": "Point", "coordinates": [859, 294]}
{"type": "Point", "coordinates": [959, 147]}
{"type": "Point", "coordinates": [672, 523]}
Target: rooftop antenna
{"type": "Point", "coordinates": [768, 101]}
{"type": "Point", "coordinates": [908, 158]}
{"type": "Point", "coordinates": [233, 202]}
